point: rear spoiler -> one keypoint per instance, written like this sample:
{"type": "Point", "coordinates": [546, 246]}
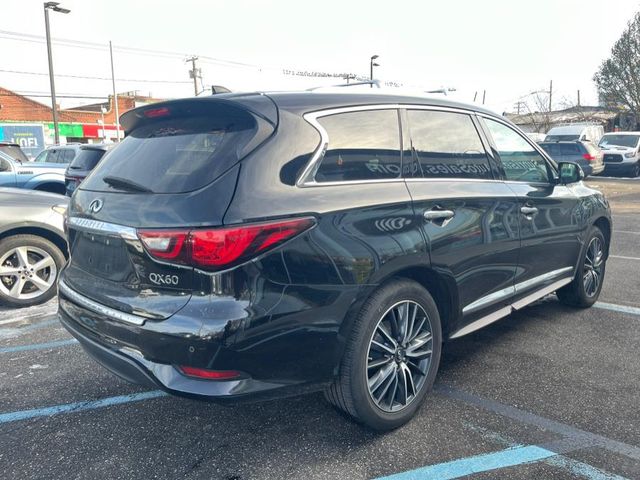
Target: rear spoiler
{"type": "Point", "coordinates": [259, 105]}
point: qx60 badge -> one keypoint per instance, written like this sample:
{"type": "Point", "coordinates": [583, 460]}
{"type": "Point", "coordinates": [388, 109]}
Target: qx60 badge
{"type": "Point", "coordinates": [95, 206]}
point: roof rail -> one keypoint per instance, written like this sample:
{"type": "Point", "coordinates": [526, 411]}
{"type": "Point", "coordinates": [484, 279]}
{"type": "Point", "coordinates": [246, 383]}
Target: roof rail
{"type": "Point", "coordinates": [377, 83]}
{"type": "Point", "coordinates": [571, 124]}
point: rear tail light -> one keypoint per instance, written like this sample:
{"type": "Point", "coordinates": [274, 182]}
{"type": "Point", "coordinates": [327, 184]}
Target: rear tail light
{"type": "Point", "coordinates": [207, 374]}
{"type": "Point", "coordinates": [224, 247]}
{"type": "Point", "coordinates": [589, 157]}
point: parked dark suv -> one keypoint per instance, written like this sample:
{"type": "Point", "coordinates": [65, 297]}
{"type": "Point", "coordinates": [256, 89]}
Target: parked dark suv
{"type": "Point", "coordinates": [86, 160]}
{"type": "Point", "coordinates": [257, 245]}
{"type": "Point", "coordinates": [586, 154]}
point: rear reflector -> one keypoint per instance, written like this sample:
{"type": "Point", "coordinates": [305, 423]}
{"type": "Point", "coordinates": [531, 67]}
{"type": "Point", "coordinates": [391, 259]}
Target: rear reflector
{"type": "Point", "coordinates": [209, 374]}
{"type": "Point", "coordinates": [224, 247]}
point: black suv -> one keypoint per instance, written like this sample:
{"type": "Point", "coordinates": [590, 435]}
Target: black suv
{"type": "Point", "coordinates": [258, 245]}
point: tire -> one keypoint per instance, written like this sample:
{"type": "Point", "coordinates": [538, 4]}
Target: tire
{"type": "Point", "coordinates": [35, 286]}
{"type": "Point", "coordinates": [350, 391]}
{"type": "Point", "coordinates": [635, 171]}
{"type": "Point", "coordinates": [581, 291]}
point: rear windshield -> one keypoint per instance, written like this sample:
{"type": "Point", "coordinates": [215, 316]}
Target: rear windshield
{"type": "Point", "coordinates": [619, 141]}
{"type": "Point", "coordinates": [176, 155]}
{"type": "Point", "coordinates": [86, 159]}
{"type": "Point", "coordinates": [562, 138]}
{"type": "Point", "coordinates": [562, 148]}
{"type": "Point", "coordinates": [14, 152]}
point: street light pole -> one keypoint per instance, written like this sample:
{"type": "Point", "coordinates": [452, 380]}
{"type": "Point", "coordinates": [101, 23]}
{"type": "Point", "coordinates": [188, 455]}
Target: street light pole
{"type": "Point", "coordinates": [52, 6]}
{"type": "Point", "coordinates": [371, 65]}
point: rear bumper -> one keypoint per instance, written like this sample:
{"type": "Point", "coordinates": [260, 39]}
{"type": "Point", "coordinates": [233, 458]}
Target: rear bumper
{"type": "Point", "coordinates": [295, 353]}
{"type": "Point", "coordinates": [595, 169]}
{"type": "Point", "coordinates": [131, 366]}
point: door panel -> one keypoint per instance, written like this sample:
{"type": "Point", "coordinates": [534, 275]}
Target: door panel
{"type": "Point", "coordinates": [478, 247]}
{"type": "Point", "coordinates": [550, 237]}
{"type": "Point", "coordinates": [549, 232]}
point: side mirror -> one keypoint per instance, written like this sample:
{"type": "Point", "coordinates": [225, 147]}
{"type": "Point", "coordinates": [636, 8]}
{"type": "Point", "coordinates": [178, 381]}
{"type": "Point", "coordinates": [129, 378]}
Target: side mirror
{"type": "Point", "coordinates": [570, 173]}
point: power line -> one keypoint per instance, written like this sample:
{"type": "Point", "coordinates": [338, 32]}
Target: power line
{"type": "Point", "coordinates": [46, 95]}
{"type": "Point", "coordinates": [9, 35]}
{"type": "Point", "coordinates": [21, 72]}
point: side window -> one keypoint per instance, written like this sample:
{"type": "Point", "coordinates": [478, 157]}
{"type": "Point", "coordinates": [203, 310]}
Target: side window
{"type": "Point", "coordinates": [5, 166]}
{"type": "Point", "coordinates": [446, 145]}
{"type": "Point", "coordinates": [66, 156]}
{"type": "Point", "coordinates": [42, 156]}
{"type": "Point", "coordinates": [53, 155]}
{"type": "Point", "coordinates": [362, 146]}
{"type": "Point", "coordinates": [520, 160]}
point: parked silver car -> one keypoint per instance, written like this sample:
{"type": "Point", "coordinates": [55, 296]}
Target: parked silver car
{"type": "Point", "coordinates": [33, 248]}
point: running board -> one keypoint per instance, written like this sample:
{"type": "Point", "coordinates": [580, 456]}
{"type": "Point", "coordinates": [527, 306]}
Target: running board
{"type": "Point", "coordinates": [506, 311]}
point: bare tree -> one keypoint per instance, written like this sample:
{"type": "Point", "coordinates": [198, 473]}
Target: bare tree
{"type": "Point", "coordinates": [537, 106]}
{"type": "Point", "coordinates": [618, 78]}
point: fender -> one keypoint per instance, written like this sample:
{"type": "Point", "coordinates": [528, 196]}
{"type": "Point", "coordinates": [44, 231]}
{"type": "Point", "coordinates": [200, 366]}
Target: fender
{"type": "Point", "coordinates": [48, 177]}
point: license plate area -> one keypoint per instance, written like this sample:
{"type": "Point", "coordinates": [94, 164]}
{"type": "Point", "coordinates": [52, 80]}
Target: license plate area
{"type": "Point", "coordinates": [102, 255]}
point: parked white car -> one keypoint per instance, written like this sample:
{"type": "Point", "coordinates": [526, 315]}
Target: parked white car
{"type": "Point", "coordinates": [621, 153]}
{"type": "Point", "coordinates": [577, 132]}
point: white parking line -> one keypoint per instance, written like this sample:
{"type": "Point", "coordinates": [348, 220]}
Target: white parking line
{"type": "Point", "coordinates": [618, 308]}
{"type": "Point", "coordinates": [624, 258]}
{"type": "Point", "coordinates": [626, 231]}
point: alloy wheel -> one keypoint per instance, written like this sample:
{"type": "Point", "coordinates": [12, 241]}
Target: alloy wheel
{"type": "Point", "coordinates": [593, 263]}
{"type": "Point", "coordinates": [399, 356]}
{"type": "Point", "coordinates": [26, 272]}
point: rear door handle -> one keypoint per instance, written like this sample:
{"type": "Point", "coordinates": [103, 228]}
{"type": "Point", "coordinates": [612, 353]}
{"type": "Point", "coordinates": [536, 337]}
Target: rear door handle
{"type": "Point", "coordinates": [529, 210]}
{"type": "Point", "coordinates": [438, 215]}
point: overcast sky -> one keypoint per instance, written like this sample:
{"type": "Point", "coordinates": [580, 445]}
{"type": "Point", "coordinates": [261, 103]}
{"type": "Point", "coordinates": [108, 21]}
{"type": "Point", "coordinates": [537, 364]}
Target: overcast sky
{"type": "Point", "coordinates": [508, 47]}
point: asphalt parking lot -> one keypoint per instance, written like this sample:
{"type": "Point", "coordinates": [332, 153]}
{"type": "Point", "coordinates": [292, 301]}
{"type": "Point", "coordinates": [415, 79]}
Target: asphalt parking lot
{"type": "Point", "coordinates": [549, 392]}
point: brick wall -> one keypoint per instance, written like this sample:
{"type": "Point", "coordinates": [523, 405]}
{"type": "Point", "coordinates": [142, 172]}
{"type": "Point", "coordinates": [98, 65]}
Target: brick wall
{"type": "Point", "coordinates": [17, 108]}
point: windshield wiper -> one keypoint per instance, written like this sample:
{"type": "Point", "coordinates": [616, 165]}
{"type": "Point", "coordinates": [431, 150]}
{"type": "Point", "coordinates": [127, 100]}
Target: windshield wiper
{"type": "Point", "coordinates": [124, 184]}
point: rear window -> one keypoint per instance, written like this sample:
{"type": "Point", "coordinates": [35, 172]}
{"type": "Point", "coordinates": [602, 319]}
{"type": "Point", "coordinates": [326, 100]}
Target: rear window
{"type": "Point", "coordinates": [176, 155]}
{"type": "Point", "coordinates": [86, 159]}
{"type": "Point", "coordinates": [562, 149]}
{"type": "Point", "coordinates": [562, 138]}
{"type": "Point", "coordinates": [14, 152]}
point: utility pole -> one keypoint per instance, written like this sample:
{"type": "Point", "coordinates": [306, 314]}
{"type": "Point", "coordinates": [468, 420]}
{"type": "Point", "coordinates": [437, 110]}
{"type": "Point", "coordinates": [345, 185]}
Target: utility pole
{"type": "Point", "coordinates": [475, 95]}
{"type": "Point", "coordinates": [550, 95]}
{"type": "Point", "coordinates": [194, 73]}
{"type": "Point", "coordinates": [484, 96]}
{"type": "Point", "coordinates": [115, 95]}
{"type": "Point", "coordinates": [578, 97]}
{"type": "Point", "coordinates": [348, 77]}
{"type": "Point", "coordinates": [56, 8]}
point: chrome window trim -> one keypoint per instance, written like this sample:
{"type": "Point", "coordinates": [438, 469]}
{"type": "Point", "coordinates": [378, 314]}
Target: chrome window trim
{"type": "Point", "coordinates": [96, 307]}
{"type": "Point", "coordinates": [517, 288]}
{"type": "Point", "coordinates": [96, 226]}
{"type": "Point", "coordinates": [307, 177]}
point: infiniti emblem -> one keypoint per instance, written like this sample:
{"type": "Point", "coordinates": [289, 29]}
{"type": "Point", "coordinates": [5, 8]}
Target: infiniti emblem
{"type": "Point", "coordinates": [95, 206]}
